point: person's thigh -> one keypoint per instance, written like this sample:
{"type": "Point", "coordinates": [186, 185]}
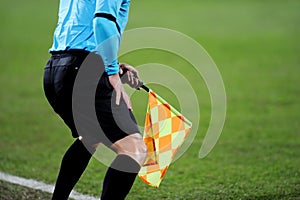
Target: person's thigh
{"type": "Point", "coordinates": [116, 121]}
{"type": "Point", "coordinates": [132, 146]}
{"type": "Point", "coordinates": [59, 76]}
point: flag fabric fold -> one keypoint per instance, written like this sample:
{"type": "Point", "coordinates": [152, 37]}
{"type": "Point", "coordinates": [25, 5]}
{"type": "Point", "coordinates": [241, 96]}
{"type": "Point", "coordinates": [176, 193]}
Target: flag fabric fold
{"type": "Point", "coordinates": [164, 132]}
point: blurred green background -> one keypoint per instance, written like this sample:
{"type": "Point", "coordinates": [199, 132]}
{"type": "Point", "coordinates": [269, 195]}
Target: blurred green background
{"type": "Point", "coordinates": [255, 45]}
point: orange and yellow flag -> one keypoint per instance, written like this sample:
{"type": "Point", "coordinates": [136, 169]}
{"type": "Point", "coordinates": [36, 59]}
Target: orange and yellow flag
{"type": "Point", "coordinates": [165, 131]}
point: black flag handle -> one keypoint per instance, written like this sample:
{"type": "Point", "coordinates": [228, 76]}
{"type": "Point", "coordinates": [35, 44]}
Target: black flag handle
{"type": "Point", "coordinates": [140, 83]}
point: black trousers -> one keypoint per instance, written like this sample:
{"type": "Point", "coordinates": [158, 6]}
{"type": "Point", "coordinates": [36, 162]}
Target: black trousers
{"type": "Point", "coordinates": [60, 74]}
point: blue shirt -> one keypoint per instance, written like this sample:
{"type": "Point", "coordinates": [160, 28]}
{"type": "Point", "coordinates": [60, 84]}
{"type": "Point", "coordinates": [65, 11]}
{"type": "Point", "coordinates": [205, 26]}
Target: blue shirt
{"type": "Point", "coordinates": [77, 28]}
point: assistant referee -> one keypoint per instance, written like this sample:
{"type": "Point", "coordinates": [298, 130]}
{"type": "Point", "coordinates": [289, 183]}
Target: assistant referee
{"type": "Point", "coordinates": [83, 26]}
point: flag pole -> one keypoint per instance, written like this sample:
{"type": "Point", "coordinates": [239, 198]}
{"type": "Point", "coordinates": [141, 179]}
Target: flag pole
{"type": "Point", "coordinates": [141, 84]}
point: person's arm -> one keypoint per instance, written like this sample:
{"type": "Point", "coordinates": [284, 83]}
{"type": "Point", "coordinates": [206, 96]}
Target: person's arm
{"type": "Point", "coordinates": [107, 34]}
{"type": "Point", "coordinates": [107, 41]}
{"type": "Point", "coordinates": [107, 37]}
{"type": "Point", "coordinates": [123, 15]}
{"type": "Point", "coordinates": [115, 81]}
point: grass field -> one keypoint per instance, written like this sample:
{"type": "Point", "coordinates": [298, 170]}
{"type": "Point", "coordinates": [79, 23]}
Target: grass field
{"type": "Point", "coordinates": [256, 47]}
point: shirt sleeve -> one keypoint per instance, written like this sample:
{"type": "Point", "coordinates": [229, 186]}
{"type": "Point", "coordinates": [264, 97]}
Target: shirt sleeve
{"type": "Point", "coordinates": [111, 17]}
{"type": "Point", "coordinates": [123, 14]}
{"type": "Point", "coordinates": [107, 40]}
{"type": "Point", "coordinates": [107, 33]}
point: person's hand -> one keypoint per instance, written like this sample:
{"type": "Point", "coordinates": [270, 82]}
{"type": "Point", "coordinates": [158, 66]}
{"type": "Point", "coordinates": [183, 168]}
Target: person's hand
{"type": "Point", "coordinates": [129, 75]}
{"type": "Point", "coordinates": [116, 83]}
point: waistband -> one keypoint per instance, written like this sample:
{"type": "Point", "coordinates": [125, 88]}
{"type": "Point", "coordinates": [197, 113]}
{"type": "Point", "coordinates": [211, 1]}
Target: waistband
{"type": "Point", "coordinates": [75, 52]}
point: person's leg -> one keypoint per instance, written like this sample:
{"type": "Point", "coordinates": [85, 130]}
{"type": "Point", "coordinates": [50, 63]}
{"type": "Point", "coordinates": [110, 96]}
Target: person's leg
{"type": "Point", "coordinates": [117, 183]}
{"type": "Point", "coordinates": [121, 133]}
{"type": "Point", "coordinates": [59, 77]}
{"type": "Point", "coordinates": [122, 172]}
{"type": "Point", "coordinates": [73, 165]}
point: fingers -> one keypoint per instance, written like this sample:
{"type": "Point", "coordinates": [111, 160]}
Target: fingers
{"type": "Point", "coordinates": [124, 66]}
{"type": "Point", "coordinates": [120, 93]}
{"type": "Point", "coordinates": [119, 90]}
{"type": "Point", "coordinates": [117, 85]}
{"type": "Point", "coordinates": [129, 77]}
{"type": "Point", "coordinates": [134, 76]}
{"type": "Point", "coordinates": [127, 100]}
{"type": "Point", "coordinates": [118, 96]}
{"type": "Point", "coordinates": [121, 71]}
{"type": "Point", "coordinates": [135, 73]}
{"type": "Point", "coordinates": [132, 79]}
{"type": "Point", "coordinates": [136, 81]}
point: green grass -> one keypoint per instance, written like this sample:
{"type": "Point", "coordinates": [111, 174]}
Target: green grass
{"type": "Point", "coordinates": [255, 44]}
{"type": "Point", "coordinates": [12, 192]}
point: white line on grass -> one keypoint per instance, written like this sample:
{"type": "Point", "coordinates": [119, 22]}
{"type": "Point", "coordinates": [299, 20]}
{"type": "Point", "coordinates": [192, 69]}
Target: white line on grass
{"type": "Point", "coordinates": [38, 185]}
